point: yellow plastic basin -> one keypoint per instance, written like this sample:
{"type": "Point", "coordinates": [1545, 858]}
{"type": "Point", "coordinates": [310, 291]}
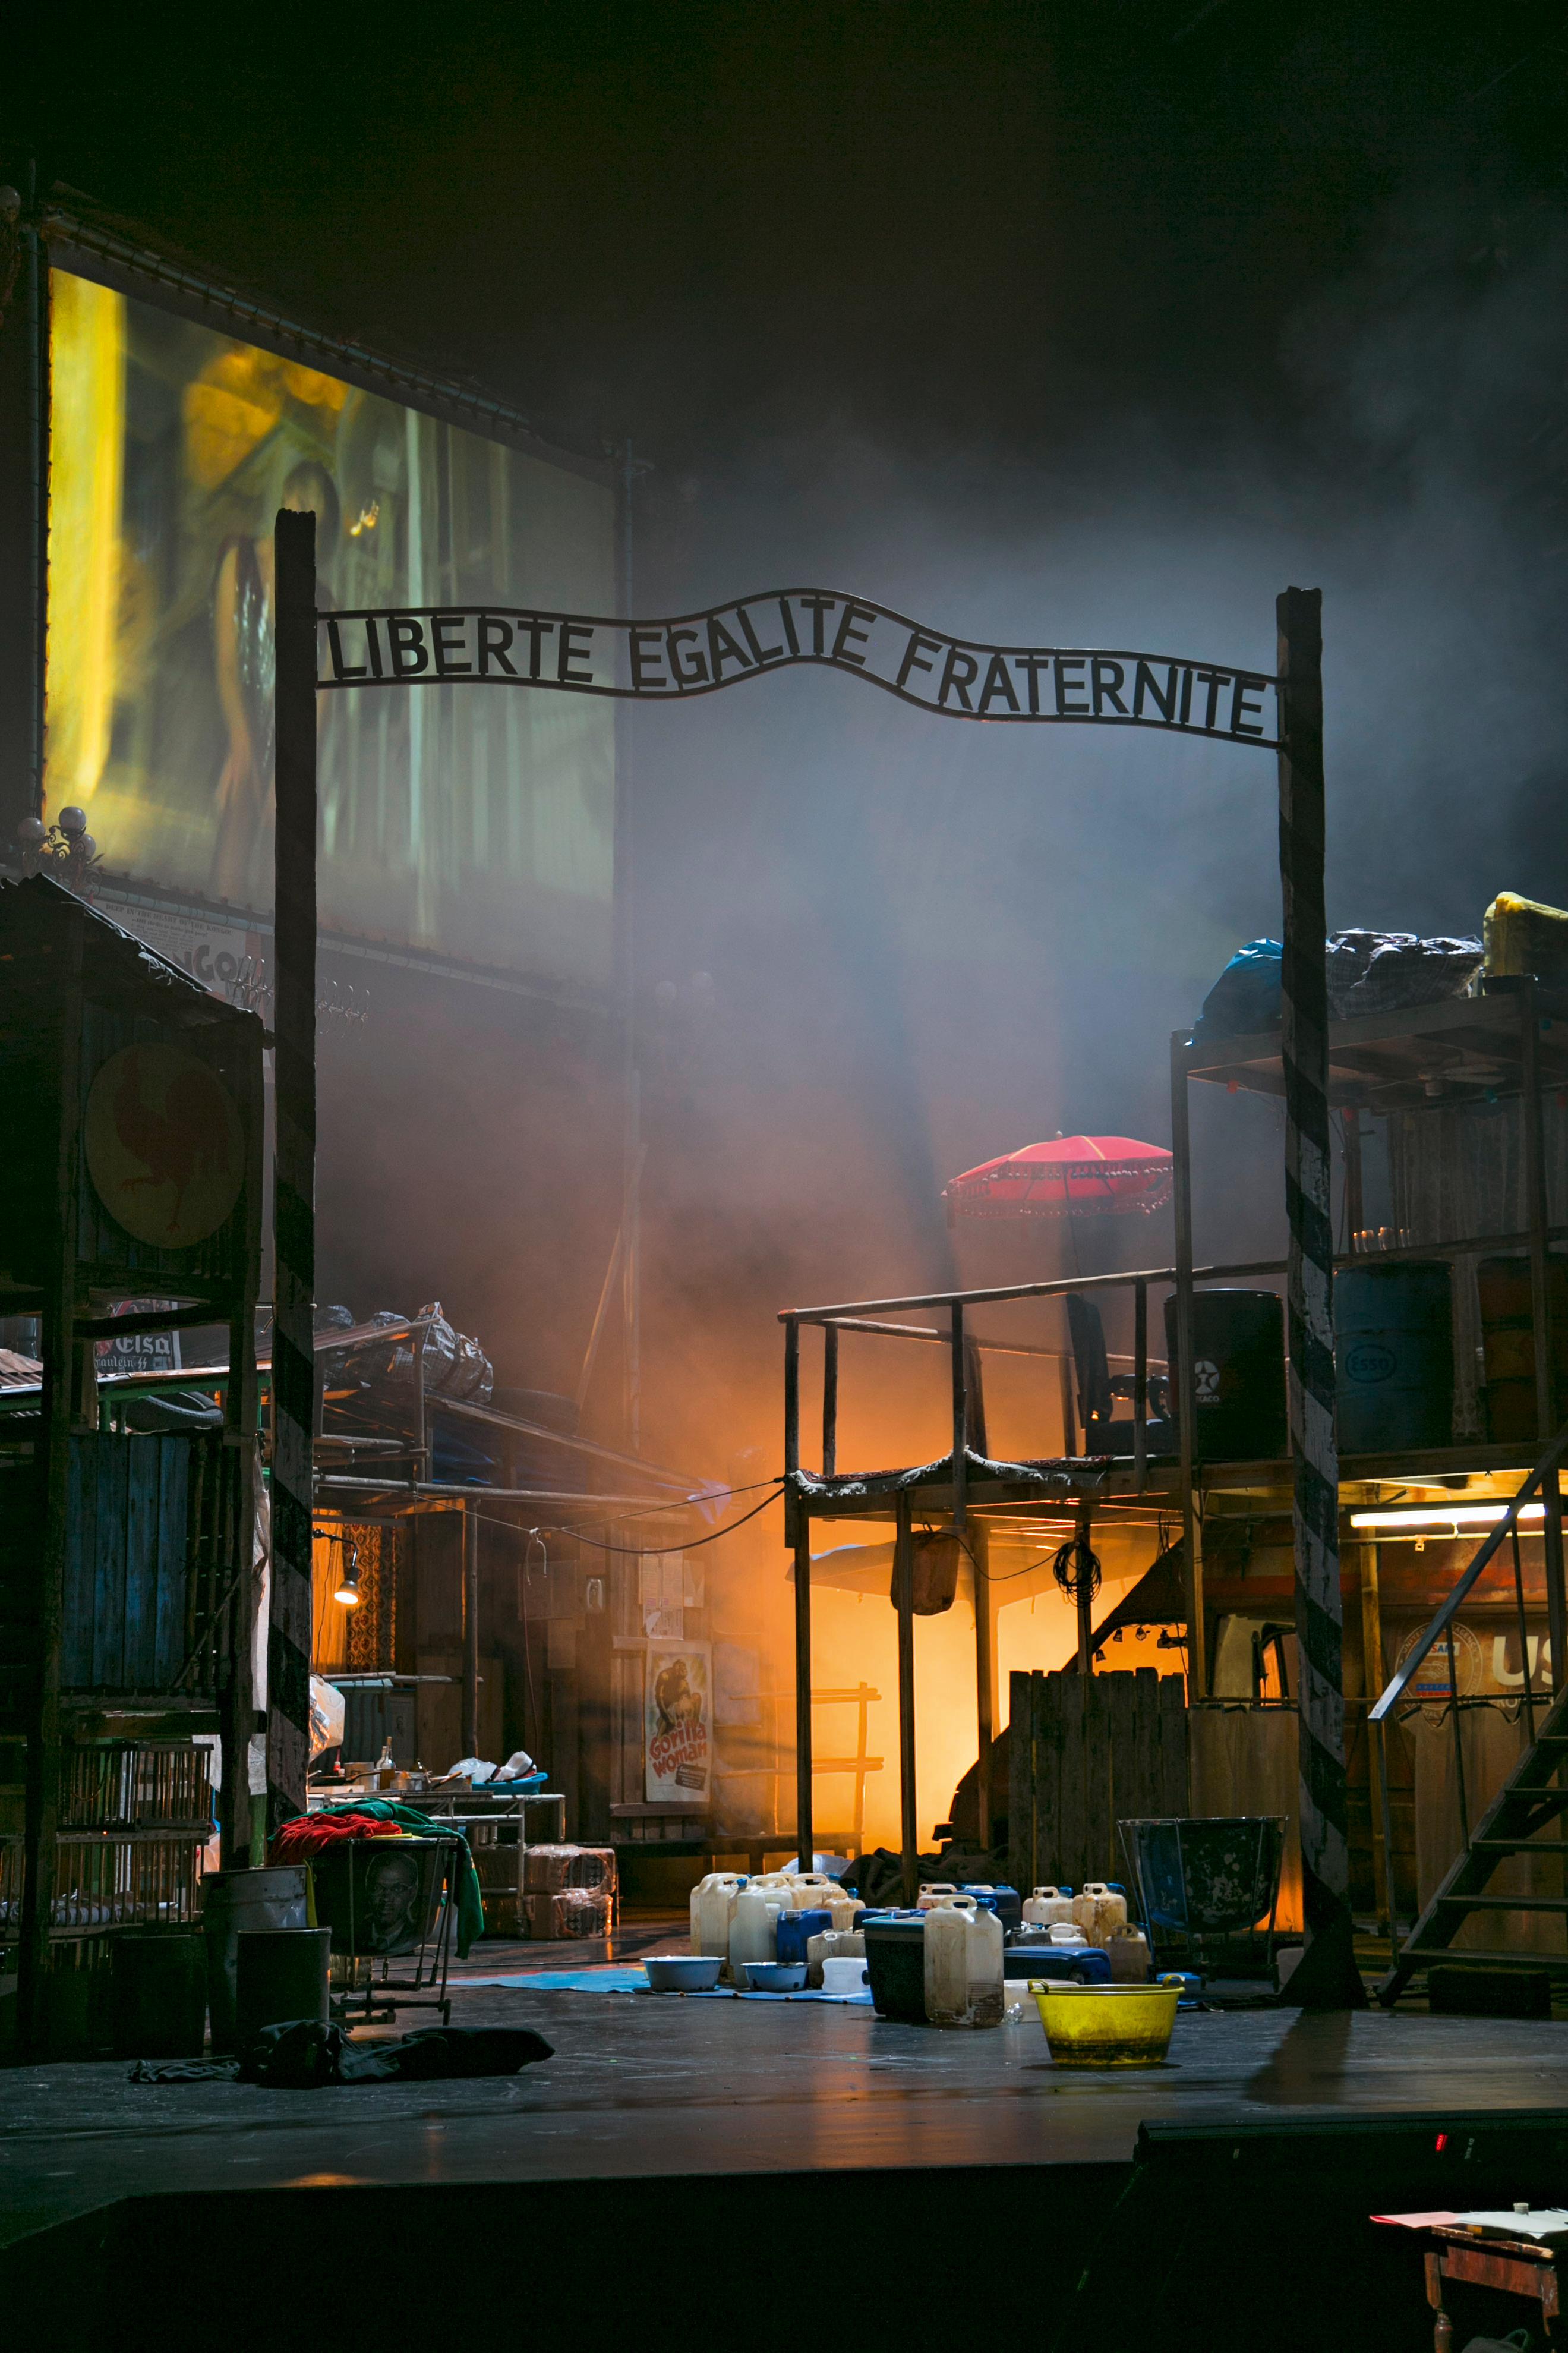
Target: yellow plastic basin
{"type": "Point", "coordinates": [1107, 2026]}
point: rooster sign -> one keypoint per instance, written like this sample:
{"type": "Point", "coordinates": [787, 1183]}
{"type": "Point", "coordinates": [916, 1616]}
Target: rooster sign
{"type": "Point", "coordinates": [164, 1145]}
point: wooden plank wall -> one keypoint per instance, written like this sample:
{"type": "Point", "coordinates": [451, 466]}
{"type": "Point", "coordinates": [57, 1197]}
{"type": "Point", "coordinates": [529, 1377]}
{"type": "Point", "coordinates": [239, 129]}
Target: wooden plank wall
{"type": "Point", "coordinates": [127, 1562]}
{"type": "Point", "coordinates": [1088, 1752]}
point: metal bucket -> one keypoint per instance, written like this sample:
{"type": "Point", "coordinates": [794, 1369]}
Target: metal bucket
{"type": "Point", "coordinates": [160, 1993]}
{"type": "Point", "coordinates": [278, 1897]}
{"type": "Point", "coordinates": [282, 1976]}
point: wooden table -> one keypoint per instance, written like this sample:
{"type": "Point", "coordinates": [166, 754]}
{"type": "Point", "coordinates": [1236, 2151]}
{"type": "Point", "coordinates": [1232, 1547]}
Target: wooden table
{"type": "Point", "coordinates": [1521, 2267]}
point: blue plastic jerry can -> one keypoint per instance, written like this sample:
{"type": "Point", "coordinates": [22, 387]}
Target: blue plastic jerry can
{"type": "Point", "coordinates": [796, 1927]}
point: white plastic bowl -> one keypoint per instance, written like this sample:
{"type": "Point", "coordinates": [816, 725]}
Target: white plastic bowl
{"type": "Point", "coordinates": [683, 1972]}
{"type": "Point", "coordinates": [774, 1976]}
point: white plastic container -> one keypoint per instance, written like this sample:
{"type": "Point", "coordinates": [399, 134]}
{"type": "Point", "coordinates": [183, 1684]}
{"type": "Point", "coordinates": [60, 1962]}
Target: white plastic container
{"type": "Point", "coordinates": [712, 1909]}
{"type": "Point", "coordinates": [831, 1945]}
{"type": "Point", "coordinates": [962, 1964]}
{"type": "Point", "coordinates": [845, 1910]}
{"type": "Point", "coordinates": [1127, 1950]}
{"type": "Point", "coordinates": [846, 1974]}
{"type": "Point", "coordinates": [814, 1889]}
{"type": "Point", "coordinates": [941, 1891]}
{"type": "Point", "coordinates": [754, 1926]}
{"type": "Point", "coordinates": [1097, 1909]}
{"type": "Point", "coordinates": [1066, 1932]}
{"type": "Point", "coordinates": [1047, 1905]}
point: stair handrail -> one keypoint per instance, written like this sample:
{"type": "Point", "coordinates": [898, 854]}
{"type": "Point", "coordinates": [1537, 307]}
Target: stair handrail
{"type": "Point", "coordinates": [1405, 1675]}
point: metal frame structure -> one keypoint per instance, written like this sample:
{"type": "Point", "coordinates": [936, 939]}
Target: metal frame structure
{"type": "Point", "coordinates": [1512, 1041]}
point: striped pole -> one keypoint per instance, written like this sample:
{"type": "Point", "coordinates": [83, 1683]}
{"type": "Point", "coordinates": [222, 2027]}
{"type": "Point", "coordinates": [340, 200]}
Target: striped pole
{"type": "Point", "coordinates": [1326, 1976]}
{"type": "Point", "coordinates": [294, 1189]}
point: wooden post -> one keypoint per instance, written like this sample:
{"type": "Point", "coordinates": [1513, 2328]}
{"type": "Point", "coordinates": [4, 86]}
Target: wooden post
{"type": "Point", "coordinates": [1540, 1316]}
{"type": "Point", "coordinates": [294, 1189]}
{"type": "Point", "coordinates": [804, 1828]}
{"type": "Point", "coordinates": [1141, 1387]}
{"type": "Point", "coordinates": [1182, 1375]}
{"type": "Point", "coordinates": [829, 1400]}
{"type": "Point", "coordinates": [904, 1581]}
{"type": "Point", "coordinates": [960, 1425]}
{"type": "Point", "coordinates": [1371, 1685]}
{"type": "Point", "coordinates": [470, 1631]}
{"type": "Point", "coordinates": [1355, 1212]}
{"type": "Point", "coordinates": [237, 1696]}
{"type": "Point", "coordinates": [985, 1669]}
{"type": "Point", "coordinates": [41, 1762]}
{"type": "Point", "coordinates": [791, 1397]}
{"type": "Point", "coordinates": [1064, 1383]}
{"type": "Point", "coordinates": [1326, 1978]}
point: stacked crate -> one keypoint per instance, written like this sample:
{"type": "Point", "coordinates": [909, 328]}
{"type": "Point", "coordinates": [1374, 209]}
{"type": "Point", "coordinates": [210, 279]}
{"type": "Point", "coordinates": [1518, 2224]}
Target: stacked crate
{"type": "Point", "coordinates": [570, 1891]}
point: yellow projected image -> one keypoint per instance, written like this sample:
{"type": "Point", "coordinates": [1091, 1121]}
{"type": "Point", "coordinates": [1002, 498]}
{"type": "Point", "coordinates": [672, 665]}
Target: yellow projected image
{"type": "Point", "coordinates": [478, 826]}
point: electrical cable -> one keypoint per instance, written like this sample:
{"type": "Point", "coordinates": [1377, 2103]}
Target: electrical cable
{"type": "Point", "coordinates": [633, 1552]}
{"type": "Point", "coordinates": [1077, 1569]}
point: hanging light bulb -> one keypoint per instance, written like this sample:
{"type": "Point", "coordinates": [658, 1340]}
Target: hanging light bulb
{"type": "Point", "coordinates": [348, 1582]}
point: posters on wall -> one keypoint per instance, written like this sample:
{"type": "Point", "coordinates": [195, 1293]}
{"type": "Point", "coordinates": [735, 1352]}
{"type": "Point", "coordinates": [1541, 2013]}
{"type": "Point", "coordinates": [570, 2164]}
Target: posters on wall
{"type": "Point", "coordinates": [677, 1719]}
{"type": "Point", "coordinates": [478, 826]}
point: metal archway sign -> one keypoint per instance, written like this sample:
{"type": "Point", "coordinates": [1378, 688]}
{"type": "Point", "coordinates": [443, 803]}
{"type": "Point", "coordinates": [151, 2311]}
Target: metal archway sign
{"type": "Point", "coordinates": [785, 629]}
{"type": "Point", "coordinates": [951, 677]}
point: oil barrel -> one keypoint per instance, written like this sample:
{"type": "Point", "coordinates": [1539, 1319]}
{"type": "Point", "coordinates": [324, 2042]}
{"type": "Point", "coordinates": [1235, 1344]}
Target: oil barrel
{"type": "Point", "coordinates": [1393, 1352]}
{"type": "Point", "coordinates": [1239, 1367]}
{"type": "Point", "coordinates": [1507, 1346]}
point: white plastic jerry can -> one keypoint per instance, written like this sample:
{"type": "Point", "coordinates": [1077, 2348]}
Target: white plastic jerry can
{"type": "Point", "coordinates": [1047, 1905]}
{"type": "Point", "coordinates": [1066, 1932]}
{"type": "Point", "coordinates": [754, 1928]}
{"type": "Point", "coordinates": [843, 1909]}
{"type": "Point", "coordinates": [831, 1945]}
{"type": "Point", "coordinates": [987, 1992]}
{"type": "Point", "coordinates": [712, 1908]}
{"type": "Point", "coordinates": [1097, 1909]}
{"type": "Point", "coordinates": [940, 1891]}
{"type": "Point", "coordinates": [812, 1890]}
{"type": "Point", "coordinates": [1127, 1950]}
{"type": "Point", "coordinates": [962, 1964]}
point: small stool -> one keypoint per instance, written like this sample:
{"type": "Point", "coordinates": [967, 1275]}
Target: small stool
{"type": "Point", "coordinates": [1521, 2267]}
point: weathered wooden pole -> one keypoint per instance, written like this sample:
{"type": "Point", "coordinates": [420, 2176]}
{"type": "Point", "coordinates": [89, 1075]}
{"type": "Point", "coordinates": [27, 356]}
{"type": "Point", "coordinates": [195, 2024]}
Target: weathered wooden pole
{"type": "Point", "coordinates": [294, 1187]}
{"type": "Point", "coordinates": [471, 1630]}
{"type": "Point", "coordinates": [904, 1595]}
{"type": "Point", "coordinates": [1326, 1978]}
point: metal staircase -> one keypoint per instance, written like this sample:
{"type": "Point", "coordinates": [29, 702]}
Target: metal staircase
{"type": "Point", "coordinates": [1533, 1796]}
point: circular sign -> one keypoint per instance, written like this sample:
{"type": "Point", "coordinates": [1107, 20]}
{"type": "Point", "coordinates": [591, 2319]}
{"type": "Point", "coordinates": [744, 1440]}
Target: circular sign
{"type": "Point", "coordinates": [1370, 1360]}
{"type": "Point", "coordinates": [164, 1148]}
{"type": "Point", "coordinates": [1205, 1380]}
{"type": "Point", "coordinates": [1432, 1680]}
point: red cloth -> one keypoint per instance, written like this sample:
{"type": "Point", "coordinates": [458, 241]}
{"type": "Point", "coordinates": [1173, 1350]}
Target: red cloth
{"type": "Point", "coordinates": [309, 1833]}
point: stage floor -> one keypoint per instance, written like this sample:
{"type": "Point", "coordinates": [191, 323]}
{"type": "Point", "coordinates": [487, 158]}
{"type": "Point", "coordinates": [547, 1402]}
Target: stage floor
{"type": "Point", "coordinates": [656, 2085]}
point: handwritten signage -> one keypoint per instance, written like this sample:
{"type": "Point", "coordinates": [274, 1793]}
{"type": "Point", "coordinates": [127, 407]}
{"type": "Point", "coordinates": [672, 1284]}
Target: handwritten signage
{"type": "Point", "coordinates": [698, 653]}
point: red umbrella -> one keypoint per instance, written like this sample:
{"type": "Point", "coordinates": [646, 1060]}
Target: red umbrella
{"type": "Point", "coordinates": [1073, 1175]}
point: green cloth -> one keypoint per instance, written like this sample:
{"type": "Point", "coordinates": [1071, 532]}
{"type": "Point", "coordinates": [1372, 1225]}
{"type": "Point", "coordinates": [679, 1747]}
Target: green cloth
{"type": "Point", "coordinates": [470, 1903]}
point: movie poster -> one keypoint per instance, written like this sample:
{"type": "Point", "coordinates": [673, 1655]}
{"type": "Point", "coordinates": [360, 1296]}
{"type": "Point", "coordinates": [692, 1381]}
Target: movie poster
{"type": "Point", "coordinates": [678, 1722]}
{"type": "Point", "coordinates": [477, 825]}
